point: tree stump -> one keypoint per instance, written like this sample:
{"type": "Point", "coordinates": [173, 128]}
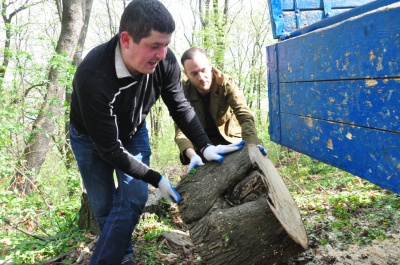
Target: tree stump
{"type": "Point", "coordinates": [241, 212]}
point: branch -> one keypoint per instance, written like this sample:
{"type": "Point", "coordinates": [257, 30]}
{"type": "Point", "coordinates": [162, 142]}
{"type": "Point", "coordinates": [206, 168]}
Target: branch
{"type": "Point", "coordinates": [86, 250]}
{"type": "Point", "coordinates": [24, 231]}
{"type": "Point", "coordinates": [56, 259]}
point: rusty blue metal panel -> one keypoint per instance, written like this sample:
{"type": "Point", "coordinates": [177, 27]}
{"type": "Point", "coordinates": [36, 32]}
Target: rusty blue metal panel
{"type": "Point", "coordinates": [273, 94]}
{"type": "Point", "coordinates": [338, 94]}
{"type": "Point", "coordinates": [371, 154]}
{"type": "Point", "coordinates": [364, 47]}
{"type": "Point", "coordinates": [353, 9]}
{"type": "Point", "coordinates": [373, 104]}
{"type": "Point", "coordinates": [287, 16]}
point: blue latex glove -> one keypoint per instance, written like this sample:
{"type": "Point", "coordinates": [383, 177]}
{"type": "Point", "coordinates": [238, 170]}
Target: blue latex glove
{"type": "Point", "coordinates": [195, 161]}
{"type": "Point", "coordinates": [168, 191]}
{"type": "Point", "coordinates": [262, 149]}
{"type": "Point", "coordinates": [215, 153]}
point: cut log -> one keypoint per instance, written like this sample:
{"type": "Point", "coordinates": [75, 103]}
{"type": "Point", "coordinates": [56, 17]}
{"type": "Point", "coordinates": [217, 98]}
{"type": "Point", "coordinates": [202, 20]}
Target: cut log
{"type": "Point", "coordinates": [240, 211]}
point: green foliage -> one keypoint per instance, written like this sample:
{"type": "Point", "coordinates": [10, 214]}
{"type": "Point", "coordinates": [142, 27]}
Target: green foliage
{"type": "Point", "coordinates": [153, 226]}
{"type": "Point", "coordinates": [43, 225]}
{"type": "Point", "coordinates": [9, 129]}
{"type": "Point", "coordinates": [65, 69]}
{"type": "Point", "coordinates": [165, 153]}
{"type": "Point", "coordinates": [49, 229]}
{"type": "Point", "coordinates": [149, 229]}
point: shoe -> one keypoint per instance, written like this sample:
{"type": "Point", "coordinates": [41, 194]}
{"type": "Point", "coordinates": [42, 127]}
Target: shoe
{"type": "Point", "coordinates": [128, 261]}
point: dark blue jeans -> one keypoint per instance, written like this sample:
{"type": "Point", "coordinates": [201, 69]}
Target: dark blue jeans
{"type": "Point", "coordinates": [117, 209]}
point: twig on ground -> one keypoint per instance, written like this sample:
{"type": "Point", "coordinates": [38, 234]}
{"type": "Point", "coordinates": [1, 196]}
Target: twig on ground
{"type": "Point", "coordinates": [24, 231]}
{"type": "Point", "coordinates": [86, 250]}
{"type": "Point", "coordinates": [56, 259]}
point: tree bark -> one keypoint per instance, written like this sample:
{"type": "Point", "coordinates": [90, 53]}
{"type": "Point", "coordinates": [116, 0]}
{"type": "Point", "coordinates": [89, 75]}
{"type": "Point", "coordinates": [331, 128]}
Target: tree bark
{"type": "Point", "coordinates": [77, 58]}
{"type": "Point", "coordinates": [240, 211]}
{"type": "Point", "coordinates": [87, 220]}
{"type": "Point", "coordinates": [45, 124]}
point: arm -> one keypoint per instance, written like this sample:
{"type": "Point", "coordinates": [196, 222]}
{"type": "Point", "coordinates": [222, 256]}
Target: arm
{"type": "Point", "coordinates": [183, 144]}
{"type": "Point", "coordinates": [244, 115]}
{"type": "Point", "coordinates": [95, 115]}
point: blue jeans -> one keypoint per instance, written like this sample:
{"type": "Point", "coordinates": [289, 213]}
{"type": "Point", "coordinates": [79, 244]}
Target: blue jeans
{"type": "Point", "coordinates": [117, 209]}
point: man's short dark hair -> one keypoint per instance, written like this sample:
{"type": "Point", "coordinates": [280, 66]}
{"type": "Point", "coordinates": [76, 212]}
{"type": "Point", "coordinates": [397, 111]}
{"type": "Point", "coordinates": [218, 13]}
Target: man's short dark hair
{"type": "Point", "coordinates": [142, 16]}
{"type": "Point", "coordinates": [189, 54]}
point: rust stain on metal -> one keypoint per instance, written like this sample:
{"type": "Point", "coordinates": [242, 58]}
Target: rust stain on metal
{"type": "Point", "coordinates": [379, 66]}
{"type": "Point", "coordinates": [371, 82]}
{"type": "Point", "coordinates": [372, 55]}
{"type": "Point", "coordinates": [369, 103]}
{"type": "Point", "coordinates": [309, 122]}
{"type": "Point", "coordinates": [329, 144]}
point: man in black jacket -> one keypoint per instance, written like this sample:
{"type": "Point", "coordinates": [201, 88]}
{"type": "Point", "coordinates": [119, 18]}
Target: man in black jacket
{"type": "Point", "coordinates": [113, 90]}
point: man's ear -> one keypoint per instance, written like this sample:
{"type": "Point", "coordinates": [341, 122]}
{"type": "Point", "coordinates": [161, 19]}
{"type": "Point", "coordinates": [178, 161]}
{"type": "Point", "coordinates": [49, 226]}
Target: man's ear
{"type": "Point", "coordinates": [184, 71]}
{"type": "Point", "coordinates": [125, 38]}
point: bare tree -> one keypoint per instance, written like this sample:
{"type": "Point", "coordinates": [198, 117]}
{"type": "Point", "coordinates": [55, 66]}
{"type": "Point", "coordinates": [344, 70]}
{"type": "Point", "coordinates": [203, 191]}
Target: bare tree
{"type": "Point", "coordinates": [235, 34]}
{"type": "Point", "coordinates": [9, 9]}
{"type": "Point", "coordinates": [247, 62]}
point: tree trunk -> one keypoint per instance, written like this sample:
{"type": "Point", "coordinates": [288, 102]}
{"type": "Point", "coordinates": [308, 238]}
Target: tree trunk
{"type": "Point", "coordinates": [87, 220]}
{"type": "Point", "coordinates": [45, 124]}
{"type": "Point", "coordinates": [240, 211]}
{"type": "Point", "coordinates": [87, 10]}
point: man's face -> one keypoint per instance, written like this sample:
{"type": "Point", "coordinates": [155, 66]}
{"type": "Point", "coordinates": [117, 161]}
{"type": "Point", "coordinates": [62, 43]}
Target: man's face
{"type": "Point", "coordinates": [144, 56]}
{"type": "Point", "coordinates": [198, 71]}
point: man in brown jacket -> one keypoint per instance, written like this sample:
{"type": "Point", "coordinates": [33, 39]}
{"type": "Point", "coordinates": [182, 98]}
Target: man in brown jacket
{"type": "Point", "coordinates": [219, 104]}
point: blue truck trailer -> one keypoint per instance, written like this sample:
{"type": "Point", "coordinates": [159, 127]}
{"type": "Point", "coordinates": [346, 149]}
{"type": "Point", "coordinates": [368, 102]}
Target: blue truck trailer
{"type": "Point", "coordinates": [334, 84]}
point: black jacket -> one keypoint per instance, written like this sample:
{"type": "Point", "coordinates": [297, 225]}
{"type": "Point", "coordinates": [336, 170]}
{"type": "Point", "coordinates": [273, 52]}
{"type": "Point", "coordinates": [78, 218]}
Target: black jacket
{"type": "Point", "coordinates": [111, 109]}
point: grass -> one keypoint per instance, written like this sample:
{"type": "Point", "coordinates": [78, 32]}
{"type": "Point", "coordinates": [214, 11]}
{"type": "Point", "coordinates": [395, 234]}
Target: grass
{"type": "Point", "coordinates": [338, 208]}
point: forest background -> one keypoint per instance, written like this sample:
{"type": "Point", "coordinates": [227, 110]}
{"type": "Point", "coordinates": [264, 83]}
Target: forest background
{"type": "Point", "coordinates": [42, 42]}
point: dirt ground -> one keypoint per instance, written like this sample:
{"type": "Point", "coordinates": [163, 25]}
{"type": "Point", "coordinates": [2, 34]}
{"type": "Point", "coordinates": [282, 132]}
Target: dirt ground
{"type": "Point", "coordinates": [385, 252]}
{"type": "Point", "coordinates": [379, 252]}
{"type": "Point", "coordinates": [181, 251]}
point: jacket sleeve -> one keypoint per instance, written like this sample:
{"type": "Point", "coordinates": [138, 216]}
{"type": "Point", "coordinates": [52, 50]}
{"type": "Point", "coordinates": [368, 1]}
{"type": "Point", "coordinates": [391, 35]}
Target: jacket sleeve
{"type": "Point", "coordinates": [183, 144]}
{"type": "Point", "coordinates": [244, 115]}
{"type": "Point", "coordinates": [102, 129]}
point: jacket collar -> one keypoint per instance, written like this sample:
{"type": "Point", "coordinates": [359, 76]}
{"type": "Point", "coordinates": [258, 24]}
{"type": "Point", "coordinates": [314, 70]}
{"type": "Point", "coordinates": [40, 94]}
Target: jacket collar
{"type": "Point", "coordinates": [120, 67]}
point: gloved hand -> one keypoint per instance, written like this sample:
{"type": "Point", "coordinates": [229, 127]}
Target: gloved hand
{"type": "Point", "coordinates": [262, 149]}
{"type": "Point", "coordinates": [195, 161]}
{"type": "Point", "coordinates": [216, 153]}
{"type": "Point", "coordinates": [168, 191]}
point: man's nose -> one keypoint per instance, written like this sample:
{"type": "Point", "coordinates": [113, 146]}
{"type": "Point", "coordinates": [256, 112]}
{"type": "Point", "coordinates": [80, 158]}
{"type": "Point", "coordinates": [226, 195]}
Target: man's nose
{"type": "Point", "coordinates": [162, 53]}
{"type": "Point", "coordinates": [202, 76]}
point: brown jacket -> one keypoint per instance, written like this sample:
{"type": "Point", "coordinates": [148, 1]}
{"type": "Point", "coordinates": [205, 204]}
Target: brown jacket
{"type": "Point", "coordinates": [228, 108]}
